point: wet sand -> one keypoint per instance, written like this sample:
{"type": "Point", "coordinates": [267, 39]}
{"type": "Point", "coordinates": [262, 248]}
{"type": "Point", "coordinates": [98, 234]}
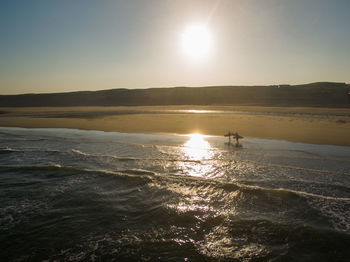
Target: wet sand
{"type": "Point", "coordinates": [309, 125]}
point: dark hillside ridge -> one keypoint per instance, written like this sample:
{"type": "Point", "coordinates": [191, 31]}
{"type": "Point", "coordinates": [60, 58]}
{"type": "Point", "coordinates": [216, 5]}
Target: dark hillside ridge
{"type": "Point", "coordinates": [314, 94]}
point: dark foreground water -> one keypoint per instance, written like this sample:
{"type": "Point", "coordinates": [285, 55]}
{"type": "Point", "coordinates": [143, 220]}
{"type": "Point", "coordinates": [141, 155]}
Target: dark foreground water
{"type": "Point", "coordinates": [71, 195]}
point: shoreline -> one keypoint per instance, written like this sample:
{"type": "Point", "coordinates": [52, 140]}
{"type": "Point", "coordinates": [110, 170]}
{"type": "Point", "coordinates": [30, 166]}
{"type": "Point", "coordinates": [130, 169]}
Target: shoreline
{"type": "Point", "coordinates": [175, 134]}
{"type": "Point", "coordinates": [295, 128]}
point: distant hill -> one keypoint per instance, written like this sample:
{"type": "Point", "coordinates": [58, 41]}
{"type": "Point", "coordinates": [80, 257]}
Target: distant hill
{"type": "Point", "coordinates": [314, 94]}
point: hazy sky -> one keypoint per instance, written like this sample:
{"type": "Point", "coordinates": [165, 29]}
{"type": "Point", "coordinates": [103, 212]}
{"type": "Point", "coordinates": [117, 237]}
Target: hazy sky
{"type": "Point", "coordinates": [56, 46]}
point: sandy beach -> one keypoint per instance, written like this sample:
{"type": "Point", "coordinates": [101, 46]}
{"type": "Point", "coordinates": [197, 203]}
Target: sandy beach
{"type": "Point", "coordinates": [309, 125]}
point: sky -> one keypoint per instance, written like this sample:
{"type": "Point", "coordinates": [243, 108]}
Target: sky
{"type": "Point", "coordinates": [58, 46]}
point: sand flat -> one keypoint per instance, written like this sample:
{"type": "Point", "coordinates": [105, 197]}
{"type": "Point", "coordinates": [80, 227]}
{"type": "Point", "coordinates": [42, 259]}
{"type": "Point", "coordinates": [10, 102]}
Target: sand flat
{"type": "Point", "coordinates": [309, 125]}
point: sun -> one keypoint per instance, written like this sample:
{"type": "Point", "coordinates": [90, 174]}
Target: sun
{"type": "Point", "coordinates": [196, 41]}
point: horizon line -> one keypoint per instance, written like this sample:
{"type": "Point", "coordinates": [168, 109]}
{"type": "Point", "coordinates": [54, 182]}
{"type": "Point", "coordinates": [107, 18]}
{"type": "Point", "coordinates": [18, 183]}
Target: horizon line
{"type": "Point", "coordinates": [165, 87]}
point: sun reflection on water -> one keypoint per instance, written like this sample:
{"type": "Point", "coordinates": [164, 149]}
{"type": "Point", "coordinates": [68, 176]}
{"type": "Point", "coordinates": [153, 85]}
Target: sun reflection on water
{"type": "Point", "coordinates": [197, 149]}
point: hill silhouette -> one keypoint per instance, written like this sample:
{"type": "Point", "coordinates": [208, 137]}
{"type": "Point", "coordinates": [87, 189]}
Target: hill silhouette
{"type": "Point", "coordinates": [315, 94]}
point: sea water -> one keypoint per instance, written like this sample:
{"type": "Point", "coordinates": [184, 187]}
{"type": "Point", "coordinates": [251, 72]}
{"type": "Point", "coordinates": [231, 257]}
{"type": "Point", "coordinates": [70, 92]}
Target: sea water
{"type": "Point", "coordinates": [73, 195]}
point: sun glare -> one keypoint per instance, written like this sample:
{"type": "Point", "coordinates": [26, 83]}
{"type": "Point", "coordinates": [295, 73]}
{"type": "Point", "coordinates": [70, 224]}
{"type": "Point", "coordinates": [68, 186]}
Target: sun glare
{"type": "Point", "coordinates": [197, 148]}
{"type": "Point", "coordinates": [196, 41]}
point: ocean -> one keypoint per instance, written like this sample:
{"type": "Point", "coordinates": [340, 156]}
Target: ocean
{"type": "Point", "coordinates": [74, 195]}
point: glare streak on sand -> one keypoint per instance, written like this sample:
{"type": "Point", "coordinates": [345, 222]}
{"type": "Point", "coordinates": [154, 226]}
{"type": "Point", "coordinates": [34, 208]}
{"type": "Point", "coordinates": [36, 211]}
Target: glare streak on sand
{"type": "Point", "coordinates": [198, 111]}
